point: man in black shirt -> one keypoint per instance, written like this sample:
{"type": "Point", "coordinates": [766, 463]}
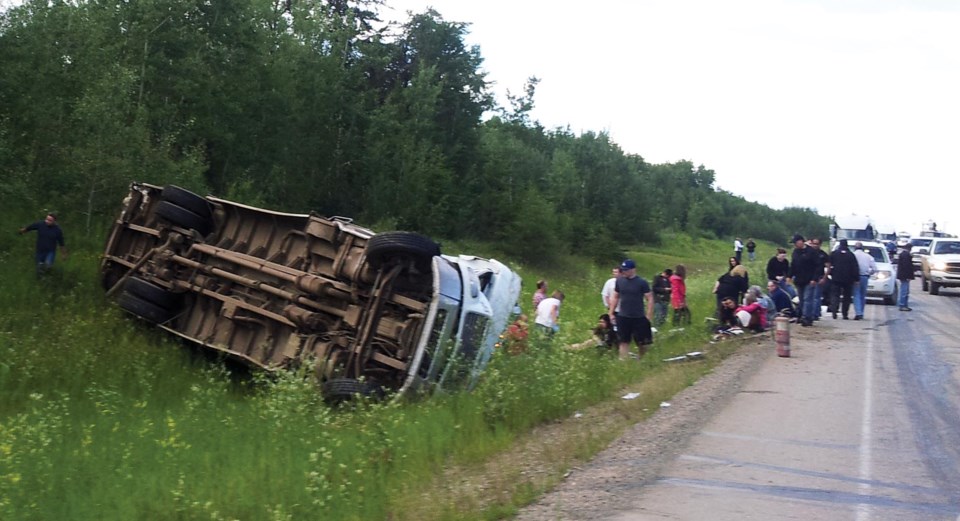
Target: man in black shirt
{"type": "Point", "coordinates": [803, 270]}
{"type": "Point", "coordinates": [751, 249]}
{"type": "Point", "coordinates": [661, 296]}
{"type": "Point", "coordinates": [49, 235]}
{"type": "Point", "coordinates": [844, 273]}
{"type": "Point", "coordinates": [905, 275]}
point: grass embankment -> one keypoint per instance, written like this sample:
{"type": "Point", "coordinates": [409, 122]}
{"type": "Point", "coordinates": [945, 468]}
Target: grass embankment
{"type": "Point", "coordinates": [102, 417]}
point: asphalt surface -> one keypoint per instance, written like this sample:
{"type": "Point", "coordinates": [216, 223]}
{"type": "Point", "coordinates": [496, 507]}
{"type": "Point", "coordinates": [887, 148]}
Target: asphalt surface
{"type": "Point", "coordinates": [861, 422]}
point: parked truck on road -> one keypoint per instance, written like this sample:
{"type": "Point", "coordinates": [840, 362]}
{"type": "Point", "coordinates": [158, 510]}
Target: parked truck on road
{"type": "Point", "coordinates": [370, 312]}
{"type": "Point", "coordinates": [940, 266]}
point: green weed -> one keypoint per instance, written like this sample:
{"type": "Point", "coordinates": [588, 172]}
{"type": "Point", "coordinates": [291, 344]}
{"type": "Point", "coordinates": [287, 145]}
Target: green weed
{"type": "Point", "coordinates": [104, 417]}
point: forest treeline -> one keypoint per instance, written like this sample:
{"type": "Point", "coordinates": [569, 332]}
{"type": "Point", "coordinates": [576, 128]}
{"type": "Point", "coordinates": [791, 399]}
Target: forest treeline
{"type": "Point", "coordinates": [303, 105]}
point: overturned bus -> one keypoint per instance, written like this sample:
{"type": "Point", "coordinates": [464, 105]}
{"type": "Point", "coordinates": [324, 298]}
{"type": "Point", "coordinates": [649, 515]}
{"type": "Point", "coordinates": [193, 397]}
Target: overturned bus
{"type": "Point", "coordinates": [370, 312]}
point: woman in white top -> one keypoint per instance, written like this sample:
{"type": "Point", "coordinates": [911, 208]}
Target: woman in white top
{"type": "Point", "coordinates": [548, 313]}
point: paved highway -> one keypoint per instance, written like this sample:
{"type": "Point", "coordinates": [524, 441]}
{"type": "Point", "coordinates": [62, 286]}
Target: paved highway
{"type": "Point", "coordinates": [861, 423]}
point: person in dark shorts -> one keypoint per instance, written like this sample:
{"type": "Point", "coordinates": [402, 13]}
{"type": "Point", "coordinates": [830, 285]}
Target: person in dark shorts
{"type": "Point", "coordinates": [633, 295]}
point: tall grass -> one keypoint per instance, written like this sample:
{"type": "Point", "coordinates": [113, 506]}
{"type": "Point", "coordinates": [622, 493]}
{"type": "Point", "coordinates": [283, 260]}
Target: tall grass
{"type": "Point", "coordinates": [103, 417]}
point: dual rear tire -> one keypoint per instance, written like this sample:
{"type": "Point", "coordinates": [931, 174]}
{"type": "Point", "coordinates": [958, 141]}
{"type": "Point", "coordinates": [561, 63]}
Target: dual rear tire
{"type": "Point", "coordinates": [405, 247]}
{"type": "Point", "coordinates": [185, 209]}
{"type": "Point", "coordinates": [148, 300]}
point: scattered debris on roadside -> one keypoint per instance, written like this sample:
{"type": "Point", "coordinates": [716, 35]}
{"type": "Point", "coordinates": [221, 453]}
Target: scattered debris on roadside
{"type": "Point", "coordinates": [693, 355]}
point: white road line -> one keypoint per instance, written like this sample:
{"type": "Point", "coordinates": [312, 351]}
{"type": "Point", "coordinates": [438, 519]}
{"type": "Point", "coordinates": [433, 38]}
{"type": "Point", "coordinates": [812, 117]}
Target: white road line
{"type": "Point", "coordinates": [866, 426]}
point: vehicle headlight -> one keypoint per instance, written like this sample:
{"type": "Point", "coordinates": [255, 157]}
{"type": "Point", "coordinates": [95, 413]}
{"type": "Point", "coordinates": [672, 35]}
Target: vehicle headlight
{"type": "Point", "coordinates": [938, 265]}
{"type": "Point", "coordinates": [882, 275]}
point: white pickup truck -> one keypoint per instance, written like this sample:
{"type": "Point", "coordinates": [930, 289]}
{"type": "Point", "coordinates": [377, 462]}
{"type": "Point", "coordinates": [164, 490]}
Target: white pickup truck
{"type": "Point", "coordinates": [369, 312]}
{"type": "Point", "coordinates": [941, 265]}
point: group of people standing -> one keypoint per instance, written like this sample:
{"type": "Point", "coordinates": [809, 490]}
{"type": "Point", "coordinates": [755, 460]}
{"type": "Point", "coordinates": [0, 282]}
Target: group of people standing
{"type": "Point", "coordinates": [843, 274]}
{"type": "Point", "coordinates": [795, 288]}
{"type": "Point", "coordinates": [738, 247]}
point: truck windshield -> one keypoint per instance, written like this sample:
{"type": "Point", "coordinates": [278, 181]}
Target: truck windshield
{"type": "Point", "coordinates": [947, 248]}
{"type": "Point", "coordinates": [848, 234]}
{"type": "Point", "coordinates": [878, 254]}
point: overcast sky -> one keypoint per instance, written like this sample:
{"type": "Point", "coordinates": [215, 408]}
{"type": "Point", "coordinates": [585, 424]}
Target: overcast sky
{"type": "Point", "coordinates": [843, 106]}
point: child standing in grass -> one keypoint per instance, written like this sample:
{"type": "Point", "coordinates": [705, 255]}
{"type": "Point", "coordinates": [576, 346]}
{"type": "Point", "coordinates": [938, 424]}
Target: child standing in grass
{"type": "Point", "coordinates": [678, 296]}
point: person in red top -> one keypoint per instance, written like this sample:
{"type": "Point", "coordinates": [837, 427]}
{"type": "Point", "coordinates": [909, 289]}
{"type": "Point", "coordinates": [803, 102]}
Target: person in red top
{"type": "Point", "coordinates": [678, 295]}
{"type": "Point", "coordinates": [758, 315]}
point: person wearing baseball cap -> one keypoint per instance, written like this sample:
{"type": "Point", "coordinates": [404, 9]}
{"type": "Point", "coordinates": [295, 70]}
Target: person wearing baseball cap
{"type": "Point", "coordinates": [632, 294]}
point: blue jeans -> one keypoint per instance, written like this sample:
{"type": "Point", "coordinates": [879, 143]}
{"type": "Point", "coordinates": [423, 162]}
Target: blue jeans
{"type": "Point", "coordinates": [809, 302]}
{"type": "Point", "coordinates": [659, 312]}
{"type": "Point", "coordinates": [904, 300]}
{"type": "Point", "coordinates": [818, 298]}
{"type": "Point", "coordinates": [787, 287]}
{"type": "Point", "coordinates": [45, 260]}
{"type": "Point", "coordinates": [860, 295]}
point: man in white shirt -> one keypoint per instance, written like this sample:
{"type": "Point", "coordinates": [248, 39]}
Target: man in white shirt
{"type": "Point", "coordinates": [868, 267]}
{"type": "Point", "coordinates": [737, 249]}
{"type": "Point", "coordinates": [608, 287]}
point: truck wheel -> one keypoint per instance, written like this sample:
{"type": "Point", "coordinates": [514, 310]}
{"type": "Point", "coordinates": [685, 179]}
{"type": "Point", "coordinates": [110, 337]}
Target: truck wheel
{"type": "Point", "coordinates": [187, 200]}
{"type": "Point", "coordinates": [934, 288]}
{"type": "Point", "coordinates": [144, 309]}
{"type": "Point", "coordinates": [383, 247]}
{"type": "Point", "coordinates": [924, 285]}
{"type": "Point", "coordinates": [179, 216]}
{"type": "Point", "coordinates": [338, 390]}
{"type": "Point", "coordinates": [109, 278]}
{"type": "Point", "coordinates": [152, 293]}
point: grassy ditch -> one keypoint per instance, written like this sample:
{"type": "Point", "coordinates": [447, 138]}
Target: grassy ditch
{"type": "Point", "coordinates": [102, 417]}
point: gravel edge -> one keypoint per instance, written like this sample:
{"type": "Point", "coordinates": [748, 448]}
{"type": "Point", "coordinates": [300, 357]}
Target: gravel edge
{"type": "Point", "coordinates": [611, 480]}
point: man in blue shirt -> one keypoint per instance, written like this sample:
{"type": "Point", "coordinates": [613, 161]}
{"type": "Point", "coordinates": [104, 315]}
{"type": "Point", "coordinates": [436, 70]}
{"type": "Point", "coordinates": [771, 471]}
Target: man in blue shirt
{"type": "Point", "coordinates": [781, 300]}
{"type": "Point", "coordinates": [49, 236]}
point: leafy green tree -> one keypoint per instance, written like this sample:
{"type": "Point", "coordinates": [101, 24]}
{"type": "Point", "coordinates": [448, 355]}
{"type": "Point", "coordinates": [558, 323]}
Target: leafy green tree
{"type": "Point", "coordinates": [533, 235]}
{"type": "Point", "coordinates": [521, 105]}
{"type": "Point", "coordinates": [308, 105]}
{"type": "Point", "coordinates": [507, 171]}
